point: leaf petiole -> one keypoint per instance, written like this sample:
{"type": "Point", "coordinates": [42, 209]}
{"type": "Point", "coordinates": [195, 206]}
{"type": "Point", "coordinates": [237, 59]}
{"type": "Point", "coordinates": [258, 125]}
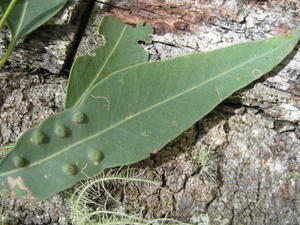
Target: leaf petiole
{"type": "Point", "coordinates": [7, 12]}
{"type": "Point", "coordinates": [8, 52]}
{"type": "Point", "coordinates": [13, 42]}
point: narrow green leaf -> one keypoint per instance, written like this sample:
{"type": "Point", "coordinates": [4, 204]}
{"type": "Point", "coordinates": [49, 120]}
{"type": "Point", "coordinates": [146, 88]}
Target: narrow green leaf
{"type": "Point", "coordinates": [128, 115]}
{"type": "Point", "coordinates": [26, 16]}
{"type": "Point", "coordinates": [121, 50]}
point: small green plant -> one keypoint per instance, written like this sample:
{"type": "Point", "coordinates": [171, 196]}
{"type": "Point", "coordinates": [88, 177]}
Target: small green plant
{"type": "Point", "coordinates": [24, 16]}
{"type": "Point", "coordinates": [120, 107]}
{"type": "Point", "coordinates": [91, 201]}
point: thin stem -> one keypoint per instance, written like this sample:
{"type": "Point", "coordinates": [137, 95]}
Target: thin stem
{"type": "Point", "coordinates": [7, 12]}
{"type": "Point", "coordinates": [14, 40]}
{"type": "Point", "coordinates": [9, 50]}
{"type": "Point", "coordinates": [6, 147]}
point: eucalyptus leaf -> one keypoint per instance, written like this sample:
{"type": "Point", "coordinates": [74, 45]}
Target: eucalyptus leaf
{"type": "Point", "coordinates": [131, 113]}
{"type": "Point", "coordinates": [27, 15]}
{"type": "Point", "coordinates": [121, 50]}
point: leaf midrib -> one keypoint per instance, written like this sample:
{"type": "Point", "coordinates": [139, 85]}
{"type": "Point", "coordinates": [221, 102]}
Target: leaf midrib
{"type": "Point", "coordinates": [147, 109]}
{"type": "Point", "coordinates": [102, 67]}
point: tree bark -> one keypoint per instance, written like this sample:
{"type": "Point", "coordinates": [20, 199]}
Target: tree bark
{"type": "Point", "coordinates": [238, 165]}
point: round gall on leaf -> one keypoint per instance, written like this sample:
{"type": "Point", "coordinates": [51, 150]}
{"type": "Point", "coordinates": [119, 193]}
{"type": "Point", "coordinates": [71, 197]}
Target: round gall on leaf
{"type": "Point", "coordinates": [61, 131]}
{"type": "Point", "coordinates": [19, 161]}
{"type": "Point", "coordinates": [38, 138]}
{"type": "Point", "coordinates": [96, 155]}
{"type": "Point", "coordinates": [70, 169]}
{"type": "Point", "coordinates": [79, 117]}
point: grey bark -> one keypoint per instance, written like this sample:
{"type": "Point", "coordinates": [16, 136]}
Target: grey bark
{"type": "Point", "coordinates": [238, 165]}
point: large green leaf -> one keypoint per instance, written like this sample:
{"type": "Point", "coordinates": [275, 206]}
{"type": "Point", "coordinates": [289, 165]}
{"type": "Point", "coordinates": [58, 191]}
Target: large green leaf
{"type": "Point", "coordinates": [121, 50]}
{"type": "Point", "coordinates": [131, 113]}
{"type": "Point", "coordinates": [25, 16]}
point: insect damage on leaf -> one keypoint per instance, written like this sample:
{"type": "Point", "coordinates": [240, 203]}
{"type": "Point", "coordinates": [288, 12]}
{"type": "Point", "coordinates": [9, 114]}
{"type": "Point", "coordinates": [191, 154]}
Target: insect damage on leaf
{"type": "Point", "coordinates": [121, 50]}
{"type": "Point", "coordinates": [18, 189]}
{"type": "Point", "coordinates": [124, 117]}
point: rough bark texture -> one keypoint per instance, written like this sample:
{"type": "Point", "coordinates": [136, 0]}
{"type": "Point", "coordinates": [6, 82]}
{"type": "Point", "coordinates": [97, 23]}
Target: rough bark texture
{"type": "Point", "coordinates": [238, 165]}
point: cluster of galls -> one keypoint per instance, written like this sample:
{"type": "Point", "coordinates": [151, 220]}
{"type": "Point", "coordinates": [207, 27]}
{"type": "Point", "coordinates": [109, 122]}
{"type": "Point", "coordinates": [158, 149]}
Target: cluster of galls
{"type": "Point", "coordinates": [61, 131]}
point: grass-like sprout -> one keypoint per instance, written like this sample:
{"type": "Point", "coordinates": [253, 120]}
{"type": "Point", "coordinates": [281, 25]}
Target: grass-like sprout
{"type": "Point", "coordinates": [90, 201]}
